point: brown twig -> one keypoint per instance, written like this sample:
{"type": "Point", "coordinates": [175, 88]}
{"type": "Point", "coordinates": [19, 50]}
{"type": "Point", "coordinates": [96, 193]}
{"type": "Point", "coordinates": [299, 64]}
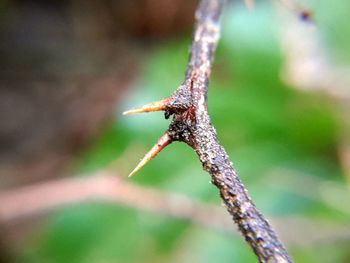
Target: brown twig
{"type": "Point", "coordinates": [27, 201]}
{"type": "Point", "coordinates": [19, 204]}
{"type": "Point", "coordinates": [191, 124]}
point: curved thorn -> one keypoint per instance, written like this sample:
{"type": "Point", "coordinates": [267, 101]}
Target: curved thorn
{"type": "Point", "coordinates": [160, 145]}
{"type": "Point", "coordinates": [153, 106]}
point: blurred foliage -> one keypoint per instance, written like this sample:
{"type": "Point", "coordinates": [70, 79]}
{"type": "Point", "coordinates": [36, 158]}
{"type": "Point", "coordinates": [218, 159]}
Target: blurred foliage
{"type": "Point", "coordinates": [279, 139]}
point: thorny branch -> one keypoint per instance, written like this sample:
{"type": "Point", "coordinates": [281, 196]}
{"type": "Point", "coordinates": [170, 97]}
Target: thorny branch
{"type": "Point", "coordinates": [191, 124]}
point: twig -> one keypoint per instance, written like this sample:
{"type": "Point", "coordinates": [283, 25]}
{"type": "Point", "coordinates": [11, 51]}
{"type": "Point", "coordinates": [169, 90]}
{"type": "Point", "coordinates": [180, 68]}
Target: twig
{"type": "Point", "coordinates": [27, 201]}
{"type": "Point", "coordinates": [191, 124]}
{"type": "Point", "coordinates": [19, 204]}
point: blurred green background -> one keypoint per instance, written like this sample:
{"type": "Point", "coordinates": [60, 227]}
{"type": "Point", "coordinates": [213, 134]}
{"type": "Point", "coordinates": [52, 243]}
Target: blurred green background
{"type": "Point", "coordinates": [288, 144]}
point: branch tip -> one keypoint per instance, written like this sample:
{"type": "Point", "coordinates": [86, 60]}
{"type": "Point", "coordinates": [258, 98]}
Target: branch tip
{"type": "Point", "coordinates": [150, 107]}
{"type": "Point", "coordinates": [157, 148]}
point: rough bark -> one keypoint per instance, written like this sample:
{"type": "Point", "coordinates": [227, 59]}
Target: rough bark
{"type": "Point", "coordinates": [191, 124]}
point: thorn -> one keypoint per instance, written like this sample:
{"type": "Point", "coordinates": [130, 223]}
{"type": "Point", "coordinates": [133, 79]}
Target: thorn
{"type": "Point", "coordinates": [160, 145]}
{"type": "Point", "coordinates": [249, 4]}
{"type": "Point", "coordinates": [153, 106]}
